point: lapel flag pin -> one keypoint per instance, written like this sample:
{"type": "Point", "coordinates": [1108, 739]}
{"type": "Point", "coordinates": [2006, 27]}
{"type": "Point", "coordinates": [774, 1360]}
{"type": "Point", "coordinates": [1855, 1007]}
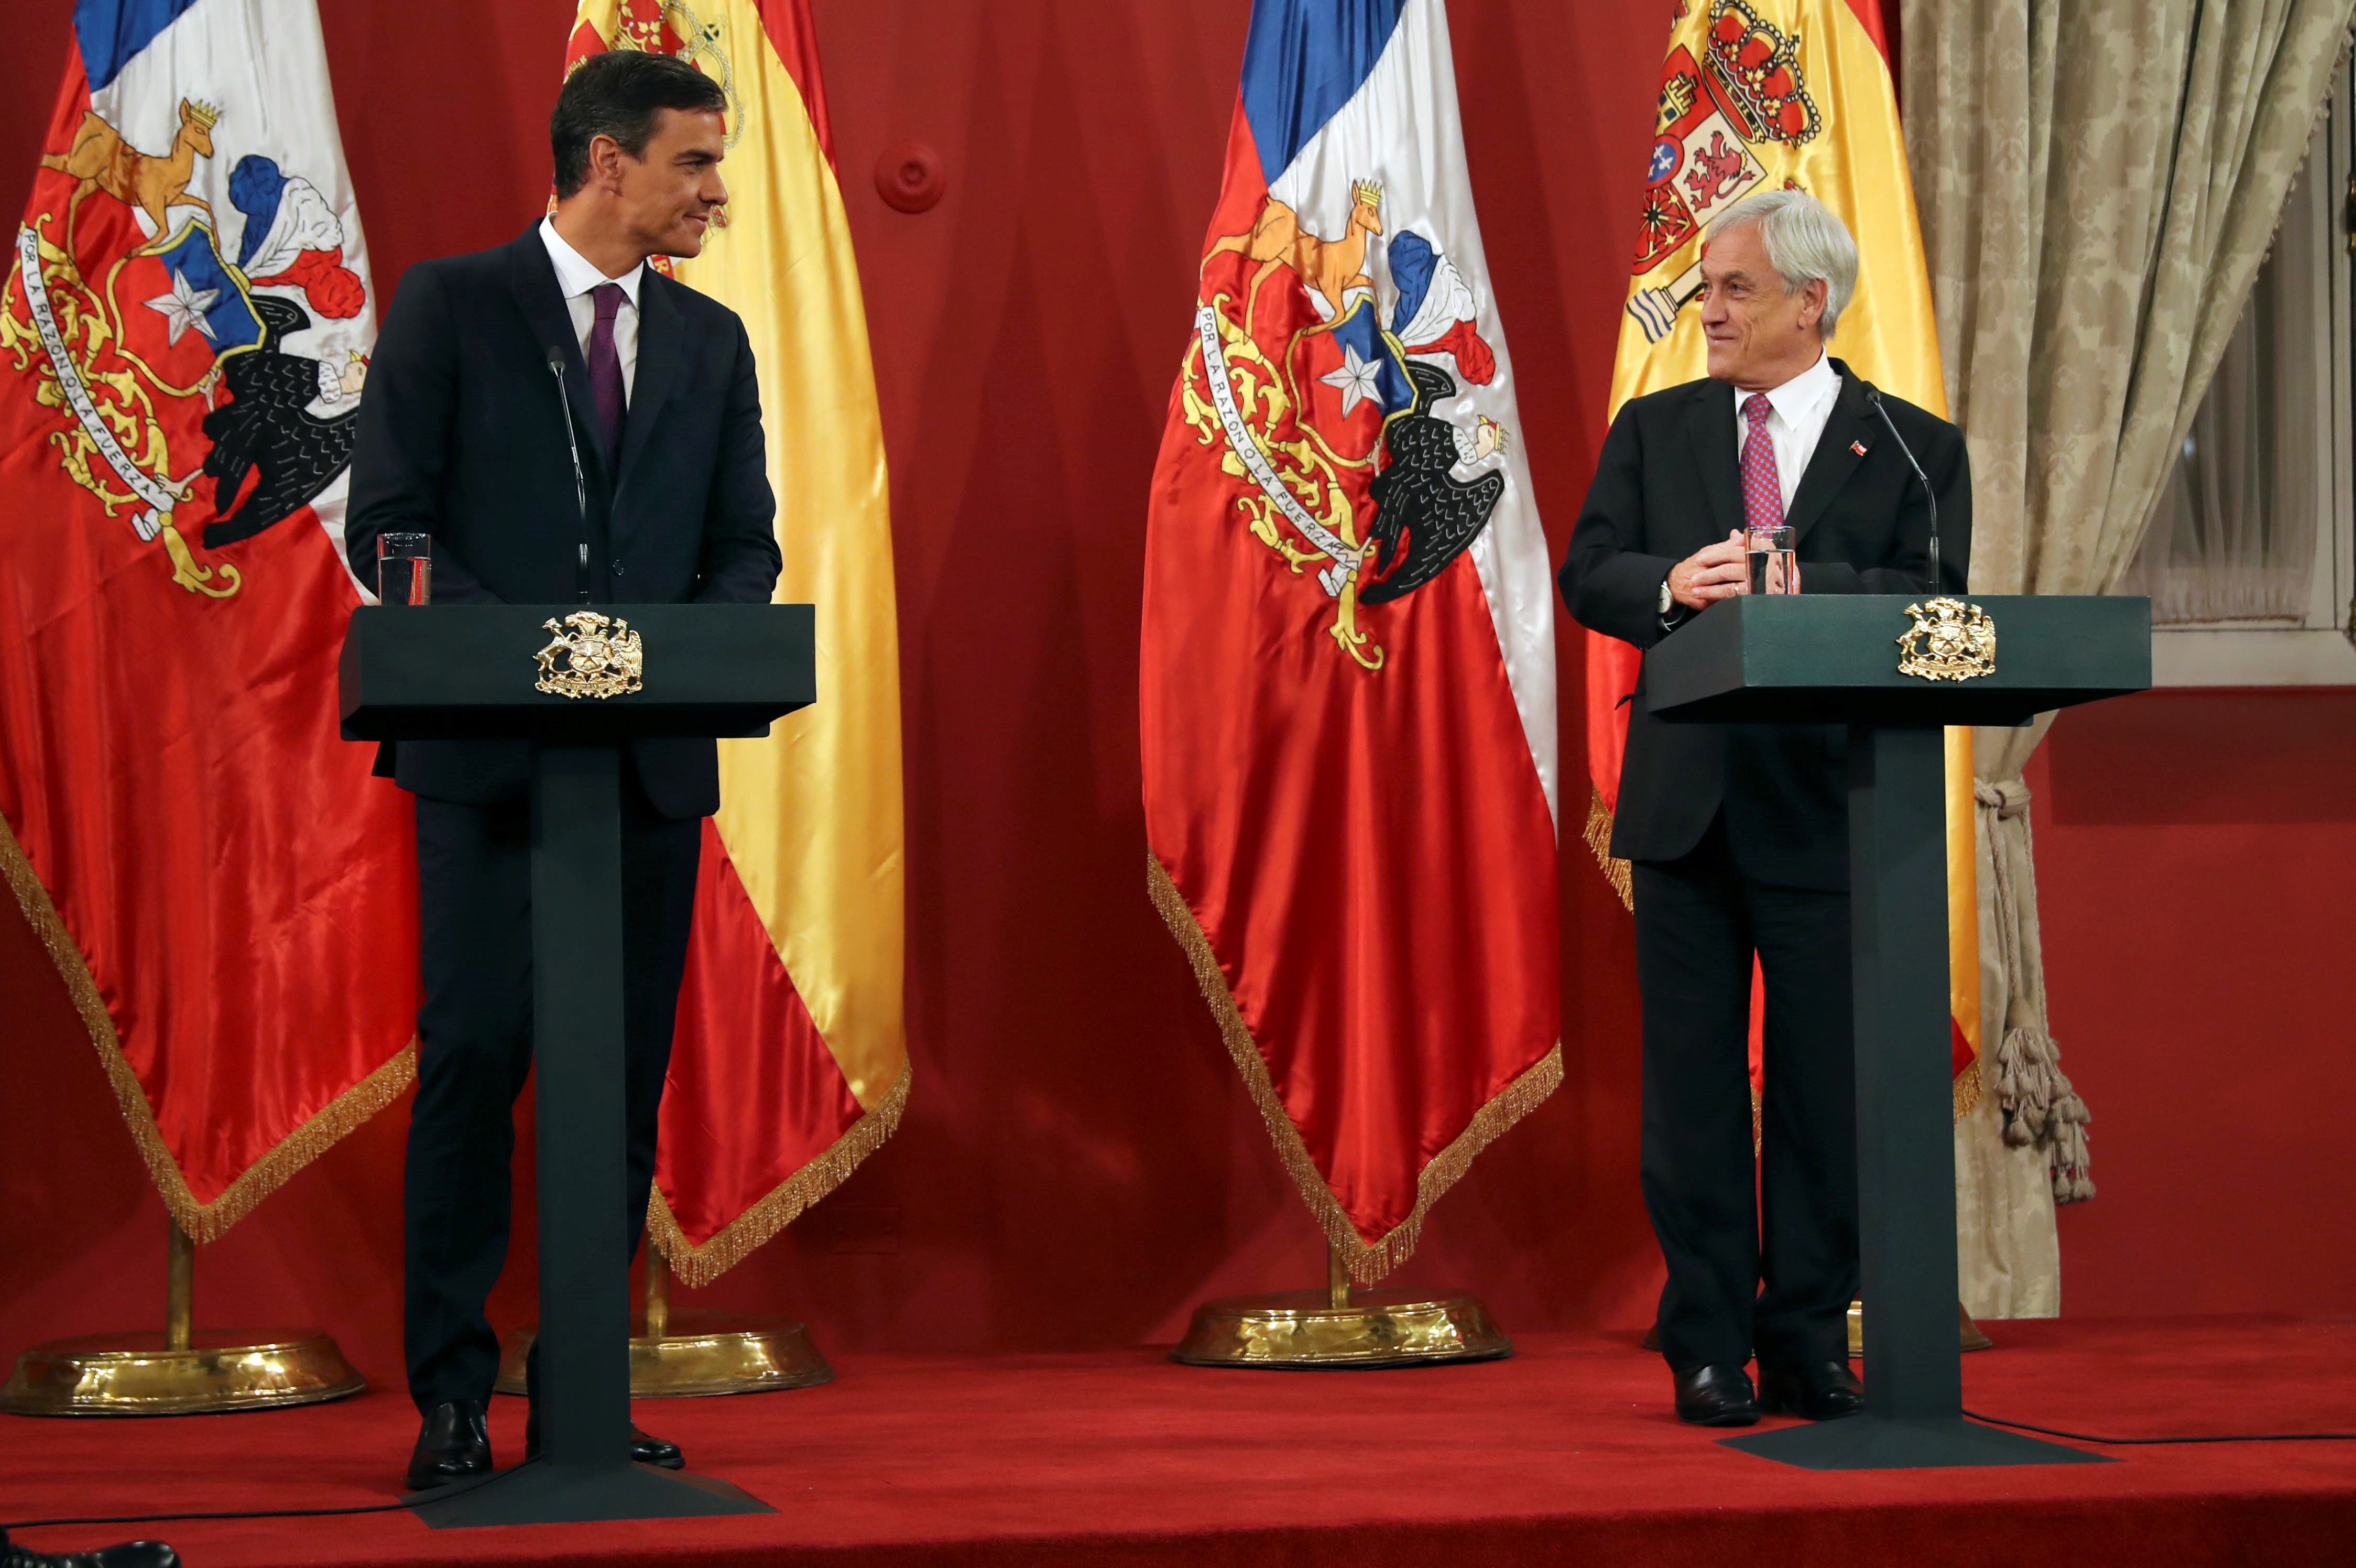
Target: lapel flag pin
{"type": "Point", "coordinates": [1857, 447]}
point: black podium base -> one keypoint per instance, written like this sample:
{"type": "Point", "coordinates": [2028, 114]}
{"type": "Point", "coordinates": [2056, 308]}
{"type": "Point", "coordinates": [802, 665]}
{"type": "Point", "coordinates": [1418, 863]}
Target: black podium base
{"type": "Point", "coordinates": [541, 1493]}
{"type": "Point", "coordinates": [1882, 1443]}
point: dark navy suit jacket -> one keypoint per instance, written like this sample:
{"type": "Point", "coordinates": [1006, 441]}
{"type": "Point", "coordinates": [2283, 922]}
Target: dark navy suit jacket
{"type": "Point", "coordinates": [1668, 483]}
{"type": "Point", "coordinates": [462, 436]}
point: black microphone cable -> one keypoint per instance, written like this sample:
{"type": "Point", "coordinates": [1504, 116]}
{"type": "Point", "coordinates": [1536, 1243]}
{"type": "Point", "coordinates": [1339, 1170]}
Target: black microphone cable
{"type": "Point", "coordinates": [2153, 1441]}
{"type": "Point", "coordinates": [426, 1499]}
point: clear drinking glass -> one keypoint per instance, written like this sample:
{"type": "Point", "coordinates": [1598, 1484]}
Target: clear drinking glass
{"type": "Point", "coordinates": [1772, 568]}
{"type": "Point", "coordinates": [404, 568]}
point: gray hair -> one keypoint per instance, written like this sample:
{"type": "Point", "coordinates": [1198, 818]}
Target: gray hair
{"type": "Point", "coordinates": [1806, 243]}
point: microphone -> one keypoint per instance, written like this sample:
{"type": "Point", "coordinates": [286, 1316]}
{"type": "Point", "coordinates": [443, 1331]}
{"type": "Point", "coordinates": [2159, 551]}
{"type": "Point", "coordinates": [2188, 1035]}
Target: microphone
{"type": "Point", "coordinates": [1873, 396]}
{"type": "Point", "coordinates": [580, 480]}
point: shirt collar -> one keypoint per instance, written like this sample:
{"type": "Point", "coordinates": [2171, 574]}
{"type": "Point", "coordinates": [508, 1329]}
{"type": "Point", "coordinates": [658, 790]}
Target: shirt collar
{"type": "Point", "coordinates": [576, 274]}
{"type": "Point", "coordinates": [1803, 395]}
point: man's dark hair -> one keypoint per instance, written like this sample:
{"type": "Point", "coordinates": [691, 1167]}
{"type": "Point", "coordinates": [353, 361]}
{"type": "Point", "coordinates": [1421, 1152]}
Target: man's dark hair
{"type": "Point", "coordinates": [620, 93]}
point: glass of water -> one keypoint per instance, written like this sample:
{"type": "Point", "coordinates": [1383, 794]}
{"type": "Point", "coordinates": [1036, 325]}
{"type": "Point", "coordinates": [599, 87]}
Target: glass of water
{"type": "Point", "coordinates": [404, 568]}
{"type": "Point", "coordinates": [1772, 568]}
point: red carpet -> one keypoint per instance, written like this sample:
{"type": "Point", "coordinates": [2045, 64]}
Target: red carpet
{"type": "Point", "coordinates": [1567, 1453]}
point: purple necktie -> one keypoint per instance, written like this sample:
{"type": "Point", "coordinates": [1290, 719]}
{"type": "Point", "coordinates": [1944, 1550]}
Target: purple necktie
{"type": "Point", "coordinates": [606, 367]}
{"type": "Point", "coordinates": [1762, 487]}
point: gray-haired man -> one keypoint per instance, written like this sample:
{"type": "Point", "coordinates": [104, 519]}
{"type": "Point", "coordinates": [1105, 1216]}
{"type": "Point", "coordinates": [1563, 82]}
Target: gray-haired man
{"type": "Point", "coordinates": [1738, 833]}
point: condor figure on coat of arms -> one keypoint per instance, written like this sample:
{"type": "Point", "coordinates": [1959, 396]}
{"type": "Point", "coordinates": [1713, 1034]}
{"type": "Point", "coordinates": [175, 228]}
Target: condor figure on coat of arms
{"type": "Point", "coordinates": [1329, 391]}
{"type": "Point", "coordinates": [169, 362]}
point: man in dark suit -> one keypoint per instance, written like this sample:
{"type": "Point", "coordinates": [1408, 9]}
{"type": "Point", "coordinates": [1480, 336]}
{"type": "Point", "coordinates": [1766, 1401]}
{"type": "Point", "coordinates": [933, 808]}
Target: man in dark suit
{"type": "Point", "coordinates": [1738, 833]}
{"type": "Point", "coordinates": [492, 370]}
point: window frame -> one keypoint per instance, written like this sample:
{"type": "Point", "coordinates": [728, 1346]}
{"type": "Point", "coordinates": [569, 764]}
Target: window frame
{"type": "Point", "coordinates": [2319, 650]}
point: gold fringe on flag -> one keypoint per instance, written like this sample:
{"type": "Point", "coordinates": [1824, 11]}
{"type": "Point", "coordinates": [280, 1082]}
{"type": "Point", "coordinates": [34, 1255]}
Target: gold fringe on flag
{"type": "Point", "coordinates": [1366, 1264]}
{"type": "Point", "coordinates": [1599, 838]}
{"type": "Point", "coordinates": [1967, 1090]}
{"type": "Point", "coordinates": [201, 1221]}
{"type": "Point", "coordinates": [696, 1267]}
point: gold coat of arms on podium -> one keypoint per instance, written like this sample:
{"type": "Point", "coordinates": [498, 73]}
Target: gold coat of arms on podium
{"type": "Point", "coordinates": [603, 657]}
{"type": "Point", "coordinates": [1950, 640]}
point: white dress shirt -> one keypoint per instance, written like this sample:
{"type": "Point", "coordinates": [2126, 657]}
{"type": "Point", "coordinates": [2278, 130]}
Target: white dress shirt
{"type": "Point", "coordinates": [1802, 406]}
{"type": "Point", "coordinates": [576, 276]}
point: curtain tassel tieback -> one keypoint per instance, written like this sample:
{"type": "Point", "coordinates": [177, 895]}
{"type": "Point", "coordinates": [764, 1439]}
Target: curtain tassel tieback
{"type": "Point", "coordinates": [2041, 1109]}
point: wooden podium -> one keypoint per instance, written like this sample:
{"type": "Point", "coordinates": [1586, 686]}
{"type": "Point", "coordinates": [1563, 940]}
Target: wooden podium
{"type": "Point", "coordinates": [1834, 659]}
{"type": "Point", "coordinates": [477, 672]}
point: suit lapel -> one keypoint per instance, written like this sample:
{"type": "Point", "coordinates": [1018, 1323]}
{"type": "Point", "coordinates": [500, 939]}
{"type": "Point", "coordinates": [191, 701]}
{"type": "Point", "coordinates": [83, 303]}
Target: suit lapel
{"type": "Point", "coordinates": [533, 278]}
{"type": "Point", "coordinates": [1709, 424]}
{"type": "Point", "coordinates": [1838, 452]}
{"type": "Point", "coordinates": [660, 330]}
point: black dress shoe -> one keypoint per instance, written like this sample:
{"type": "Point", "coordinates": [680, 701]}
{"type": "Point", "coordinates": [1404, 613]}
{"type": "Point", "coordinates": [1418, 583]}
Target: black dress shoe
{"type": "Point", "coordinates": [645, 1447]}
{"type": "Point", "coordinates": [1716, 1396]}
{"type": "Point", "coordinates": [454, 1444]}
{"type": "Point", "coordinates": [129, 1554]}
{"type": "Point", "coordinates": [1820, 1390]}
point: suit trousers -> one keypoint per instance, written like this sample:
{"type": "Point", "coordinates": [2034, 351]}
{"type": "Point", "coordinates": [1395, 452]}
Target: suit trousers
{"type": "Point", "coordinates": [475, 1049]}
{"type": "Point", "coordinates": [1770, 1267]}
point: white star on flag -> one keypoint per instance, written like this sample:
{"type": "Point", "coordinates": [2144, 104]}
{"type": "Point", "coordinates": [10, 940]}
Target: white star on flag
{"type": "Point", "coordinates": [1355, 377]}
{"type": "Point", "coordinates": [184, 308]}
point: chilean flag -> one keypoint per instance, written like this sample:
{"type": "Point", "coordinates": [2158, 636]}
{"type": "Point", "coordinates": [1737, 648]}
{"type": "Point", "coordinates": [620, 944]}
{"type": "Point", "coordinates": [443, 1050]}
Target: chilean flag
{"type": "Point", "coordinates": [185, 325]}
{"type": "Point", "coordinates": [1346, 688]}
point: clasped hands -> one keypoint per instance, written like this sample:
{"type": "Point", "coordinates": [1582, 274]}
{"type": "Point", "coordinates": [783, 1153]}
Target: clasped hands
{"type": "Point", "coordinates": [1715, 572]}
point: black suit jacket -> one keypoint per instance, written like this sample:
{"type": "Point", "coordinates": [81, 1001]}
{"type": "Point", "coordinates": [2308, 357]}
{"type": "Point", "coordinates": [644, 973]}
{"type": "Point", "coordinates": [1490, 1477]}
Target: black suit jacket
{"type": "Point", "coordinates": [1669, 483]}
{"type": "Point", "coordinates": [462, 436]}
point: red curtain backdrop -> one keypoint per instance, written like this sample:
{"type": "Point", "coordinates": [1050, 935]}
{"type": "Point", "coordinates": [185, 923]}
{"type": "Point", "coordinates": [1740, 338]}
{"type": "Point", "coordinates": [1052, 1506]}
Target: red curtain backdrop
{"type": "Point", "coordinates": [1083, 1166]}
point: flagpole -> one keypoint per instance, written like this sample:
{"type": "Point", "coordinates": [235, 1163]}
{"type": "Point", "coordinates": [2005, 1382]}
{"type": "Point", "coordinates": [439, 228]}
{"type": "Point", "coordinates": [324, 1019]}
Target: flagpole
{"type": "Point", "coordinates": [657, 1314]}
{"type": "Point", "coordinates": [182, 1371]}
{"type": "Point", "coordinates": [179, 1288]}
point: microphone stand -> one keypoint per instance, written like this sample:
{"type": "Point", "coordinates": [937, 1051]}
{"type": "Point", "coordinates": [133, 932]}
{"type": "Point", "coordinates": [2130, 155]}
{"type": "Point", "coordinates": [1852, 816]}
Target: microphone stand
{"type": "Point", "coordinates": [580, 478]}
{"type": "Point", "coordinates": [1873, 396]}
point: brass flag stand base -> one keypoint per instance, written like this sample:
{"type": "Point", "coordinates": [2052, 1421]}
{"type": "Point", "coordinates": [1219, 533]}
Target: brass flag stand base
{"type": "Point", "coordinates": [1337, 1327]}
{"type": "Point", "coordinates": [687, 1355]}
{"type": "Point", "coordinates": [179, 1371]}
{"type": "Point", "coordinates": [1968, 1333]}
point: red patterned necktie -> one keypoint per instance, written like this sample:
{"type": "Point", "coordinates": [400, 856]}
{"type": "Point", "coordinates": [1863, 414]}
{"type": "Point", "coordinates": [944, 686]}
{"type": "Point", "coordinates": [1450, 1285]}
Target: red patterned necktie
{"type": "Point", "coordinates": [606, 369]}
{"type": "Point", "coordinates": [1762, 487]}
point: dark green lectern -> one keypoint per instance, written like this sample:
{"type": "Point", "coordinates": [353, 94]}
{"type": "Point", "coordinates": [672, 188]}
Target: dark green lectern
{"type": "Point", "coordinates": [1829, 658]}
{"type": "Point", "coordinates": [484, 672]}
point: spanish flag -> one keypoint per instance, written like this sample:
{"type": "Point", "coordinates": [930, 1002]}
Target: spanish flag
{"type": "Point", "coordinates": [1765, 95]}
{"type": "Point", "coordinates": [790, 1065]}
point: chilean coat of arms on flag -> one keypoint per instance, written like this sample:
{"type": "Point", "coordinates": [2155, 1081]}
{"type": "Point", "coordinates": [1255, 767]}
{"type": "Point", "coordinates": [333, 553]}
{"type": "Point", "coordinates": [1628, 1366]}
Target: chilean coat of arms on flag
{"type": "Point", "coordinates": [213, 391]}
{"type": "Point", "coordinates": [1347, 697]}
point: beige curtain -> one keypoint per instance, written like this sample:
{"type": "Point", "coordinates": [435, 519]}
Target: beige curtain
{"type": "Point", "coordinates": [2098, 182]}
{"type": "Point", "coordinates": [2233, 537]}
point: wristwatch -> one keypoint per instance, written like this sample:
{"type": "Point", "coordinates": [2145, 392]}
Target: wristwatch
{"type": "Point", "coordinates": [1667, 598]}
